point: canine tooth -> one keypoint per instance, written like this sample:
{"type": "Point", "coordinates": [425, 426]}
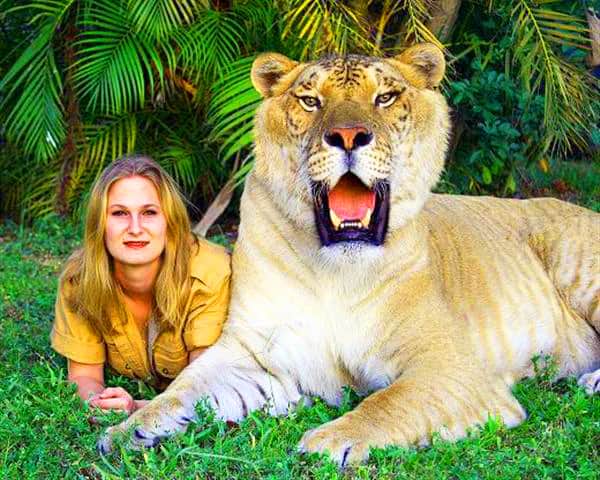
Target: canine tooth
{"type": "Point", "coordinates": [367, 218]}
{"type": "Point", "coordinates": [335, 220]}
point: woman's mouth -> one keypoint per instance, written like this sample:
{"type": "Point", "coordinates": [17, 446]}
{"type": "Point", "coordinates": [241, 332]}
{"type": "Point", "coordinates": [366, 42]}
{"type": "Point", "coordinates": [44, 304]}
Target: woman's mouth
{"type": "Point", "coordinates": [136, 244]}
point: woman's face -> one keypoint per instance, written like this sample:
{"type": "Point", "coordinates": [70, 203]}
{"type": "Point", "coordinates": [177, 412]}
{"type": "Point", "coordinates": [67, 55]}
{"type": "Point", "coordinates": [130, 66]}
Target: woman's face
{"type": "Point", "coordinates": [136, 227]}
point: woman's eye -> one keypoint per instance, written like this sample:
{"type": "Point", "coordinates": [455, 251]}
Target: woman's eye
{"type": "Point", "coordinates": [150, 212]}
{"type": "Point", "coordinates": [386, 99]}
{"type": "Point", "coordinates": [118, 213]}
{"type": "Point", "coordinates": [309, 103]}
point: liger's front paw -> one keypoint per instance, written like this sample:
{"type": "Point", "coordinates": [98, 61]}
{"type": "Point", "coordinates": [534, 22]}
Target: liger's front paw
{"type": "Point", "coordinates": [590, 382]}
{"type": "Point", "coordinates": [343, 439]}
{"type": "Point", "coordinates": [160, 418]}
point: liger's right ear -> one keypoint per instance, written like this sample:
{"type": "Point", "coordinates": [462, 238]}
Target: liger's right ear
{"type": "Point", "coordinates": [268, 69]}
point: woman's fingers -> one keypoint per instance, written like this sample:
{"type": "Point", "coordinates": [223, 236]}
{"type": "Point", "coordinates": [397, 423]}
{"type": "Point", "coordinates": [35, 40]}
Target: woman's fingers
{"type": "Point", "coordinates": [115, 403]}
{"type": "Point", "coordinates": [111, 392]}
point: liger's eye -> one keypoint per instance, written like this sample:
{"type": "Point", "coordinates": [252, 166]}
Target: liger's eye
{"type": "Point", "coordinates": [309, 103]}
{"type": "Point", "coordinates": [386, 99]}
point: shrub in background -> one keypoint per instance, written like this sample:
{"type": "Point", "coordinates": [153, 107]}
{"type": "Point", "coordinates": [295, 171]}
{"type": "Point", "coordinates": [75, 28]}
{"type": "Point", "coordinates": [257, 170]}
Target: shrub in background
{"type": "Point", "coordinates": [85, 81]}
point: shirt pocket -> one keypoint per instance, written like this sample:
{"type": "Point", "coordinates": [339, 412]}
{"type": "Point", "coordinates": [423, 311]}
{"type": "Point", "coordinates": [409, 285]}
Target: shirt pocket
{"type": "Point", "coordinates": [117, 361]}
{"type": "Point", "coordinates": [170, 359]}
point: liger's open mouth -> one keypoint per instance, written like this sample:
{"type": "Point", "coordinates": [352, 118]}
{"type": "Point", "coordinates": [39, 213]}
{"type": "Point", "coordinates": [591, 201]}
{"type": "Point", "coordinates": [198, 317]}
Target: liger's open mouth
{"type": "Point", "coordinates": [352, 212]}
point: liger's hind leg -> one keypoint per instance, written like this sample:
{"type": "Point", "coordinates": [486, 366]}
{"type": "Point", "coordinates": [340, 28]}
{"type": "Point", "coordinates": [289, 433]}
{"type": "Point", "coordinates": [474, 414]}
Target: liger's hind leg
{"type": "Point", "coordinates": [570, 252]}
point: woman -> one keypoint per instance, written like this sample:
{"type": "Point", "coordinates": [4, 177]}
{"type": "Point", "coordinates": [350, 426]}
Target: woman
{"type": "Point", "coordinates": [143, 295]}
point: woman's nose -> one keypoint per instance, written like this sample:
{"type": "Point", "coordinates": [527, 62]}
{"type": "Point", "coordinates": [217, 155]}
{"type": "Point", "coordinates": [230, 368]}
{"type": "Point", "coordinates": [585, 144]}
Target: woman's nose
{"type": "Point", "coordinates": [135, 224]}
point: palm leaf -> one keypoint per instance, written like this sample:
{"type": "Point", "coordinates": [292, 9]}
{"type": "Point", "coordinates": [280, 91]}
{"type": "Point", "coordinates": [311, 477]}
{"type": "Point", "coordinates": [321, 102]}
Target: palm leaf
{"type": "Point", "coordinates": [157, 19]}
{"type": "Point", "coordinates": [232, 108]}
{"type": "Point", "coordinates": [116, 64]}
{"type": "Point", "coordinates": [415, 28]}
{"type": "Point", "coordinates": [104, 141]}
{"type": "Point", "coordinates": [327, 26]}
{"type": "Point", "coordinates": [33, 87]}
{"type": "Point", "coordinates": [210, 45]}
{"type": "Point", "coordinates": [35, 120]}
{"type": "Point", "coordinates": [568, 90]}
{"type": "Point", "coordinates": [39, 196]}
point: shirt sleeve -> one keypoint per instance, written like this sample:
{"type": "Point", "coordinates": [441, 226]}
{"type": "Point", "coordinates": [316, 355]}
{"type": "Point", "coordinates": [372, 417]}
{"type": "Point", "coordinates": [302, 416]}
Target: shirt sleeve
{"type": "Point", "coordinates": [206, 316]}
{"type": "Point", "coordinates": [73, 337]}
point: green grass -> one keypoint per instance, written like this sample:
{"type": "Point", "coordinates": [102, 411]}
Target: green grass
{"type": "Point", "coordinates": [45, 432]}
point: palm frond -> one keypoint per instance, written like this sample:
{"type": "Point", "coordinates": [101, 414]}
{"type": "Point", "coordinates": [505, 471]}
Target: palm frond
{"type": "Point", "coordinates": [110, 138]}
{"type": "Point", "coordinates": [568, 90]}
{"type": "Point", "coordinates": [328, 26]}
{"type": "Point", "coordinates": [210, 45]}
{"type": "Point", "coordinates": [232, 108]}
{"type": "Point", "coordinates": [39, 196]}
{"type": "Point", "coordinates": [107, 139]}
{"type": "Point", "coordinates": [415, 24]}
{"type": "Point", "coordinates": [116, 63]}
{"type": "Point", "coordinates": [263, 24]}
{"type": "Point", "coordinates": [156, 19]}
{"type": "Point", "coordinates": [35, 120]}
{"type": "Point", "coordinates": [32, 87]}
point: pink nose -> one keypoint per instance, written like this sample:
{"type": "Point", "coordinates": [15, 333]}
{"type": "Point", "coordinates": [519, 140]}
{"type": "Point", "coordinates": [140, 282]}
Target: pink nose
{"type": "Point", "coordinates": [348, 138]}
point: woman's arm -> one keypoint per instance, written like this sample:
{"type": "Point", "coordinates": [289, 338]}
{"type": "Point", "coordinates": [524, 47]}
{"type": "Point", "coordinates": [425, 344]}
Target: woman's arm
{"type": "Point", "coordinates": [194, 354]}
{"type": "Point", "coordinates": [89, 379]}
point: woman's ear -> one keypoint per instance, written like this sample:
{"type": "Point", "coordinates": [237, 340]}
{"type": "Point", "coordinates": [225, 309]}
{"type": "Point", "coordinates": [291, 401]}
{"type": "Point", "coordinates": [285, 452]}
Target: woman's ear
{"type": "Point", "coordinates": [268, 69]}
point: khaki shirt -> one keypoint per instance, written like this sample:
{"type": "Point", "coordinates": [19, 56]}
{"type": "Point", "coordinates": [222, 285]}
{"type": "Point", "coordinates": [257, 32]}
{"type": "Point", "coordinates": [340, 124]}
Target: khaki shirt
{"type": "Point", "coordinates": [126, 349]}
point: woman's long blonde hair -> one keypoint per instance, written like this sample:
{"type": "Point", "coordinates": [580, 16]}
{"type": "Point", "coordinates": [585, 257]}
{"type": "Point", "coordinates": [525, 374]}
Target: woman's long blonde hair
{"type": "Point", "coordinates": [94, 293]}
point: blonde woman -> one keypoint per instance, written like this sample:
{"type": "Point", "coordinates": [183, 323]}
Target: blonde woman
{"type": "Point", "coordinates": [143, 295]}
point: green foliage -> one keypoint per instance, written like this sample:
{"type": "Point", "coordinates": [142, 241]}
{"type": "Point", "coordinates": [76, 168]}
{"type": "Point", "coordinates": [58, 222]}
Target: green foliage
{"type": "Point", "coordinates": [117, 62]}
{"type": "Point", "coordinates": [569, 92]}
{"type": "Point", "coordinates": [34, 83]}
{"type": "Point", "coordinates": [232, 108]}
{"type": "Point", "coordinates": [83, 82]}
{"type": "Point", "coordinates": [501, 125]}
{"type": "Point", "coordinates": [327, 26]}
{"type": "Point", "coordinates": [571, 181]}
{"type": "Point", "coordinates": [518, 101]}
{"type": "Point", "coordinates": [139, 78]}
{"type": "Point", "coordinates": [46, 432]}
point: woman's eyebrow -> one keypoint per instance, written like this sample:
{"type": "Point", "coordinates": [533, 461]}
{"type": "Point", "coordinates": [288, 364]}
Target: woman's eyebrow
{"type": "Point", "coordinates": [147, 205]}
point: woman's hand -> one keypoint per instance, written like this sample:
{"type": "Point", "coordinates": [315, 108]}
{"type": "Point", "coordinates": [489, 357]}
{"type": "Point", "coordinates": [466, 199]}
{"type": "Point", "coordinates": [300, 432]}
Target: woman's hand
{"type": "Point", "coordinates": [114, 398]}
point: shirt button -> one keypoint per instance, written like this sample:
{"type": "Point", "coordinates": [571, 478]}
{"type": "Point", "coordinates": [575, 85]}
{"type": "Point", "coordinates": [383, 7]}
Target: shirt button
{"type": "Point", "coordinates": [127, 366]}
{"type": "Point", "coordinates": [165, 371]}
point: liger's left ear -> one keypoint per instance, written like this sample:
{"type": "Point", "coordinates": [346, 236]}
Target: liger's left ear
{"type": "Point", "coordinates": [427, 64]}
{"type": "Point", "coordinates": [267, 71]}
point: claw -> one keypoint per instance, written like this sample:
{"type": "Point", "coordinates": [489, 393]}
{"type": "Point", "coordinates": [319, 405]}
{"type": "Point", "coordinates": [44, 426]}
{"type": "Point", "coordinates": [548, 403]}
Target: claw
{"type": "Point", "coordinates": [183, 420]}
{"type": "Point", "coordinates": [345, 457]}
{"type": "Point", "coordinates": [103, 446]}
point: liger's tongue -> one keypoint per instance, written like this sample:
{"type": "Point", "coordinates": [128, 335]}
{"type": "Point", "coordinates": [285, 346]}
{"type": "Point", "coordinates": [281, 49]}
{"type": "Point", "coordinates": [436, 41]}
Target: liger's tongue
{"type": "Point", "coordinates": [350, 199]}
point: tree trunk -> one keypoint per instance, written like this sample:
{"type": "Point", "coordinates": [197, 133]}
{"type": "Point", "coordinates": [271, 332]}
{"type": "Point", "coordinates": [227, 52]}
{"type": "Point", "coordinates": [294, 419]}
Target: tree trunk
{"type": "Point", "coordinates": [439, 20]}
{"type": "Point", "coordinates": [69, 153]}
{"type": "Point", "coordinates": [219, 204]}
{"type": "Point", "coordinates": [444, 14]}
{"type": "Point", "coordinates": [594, 23]}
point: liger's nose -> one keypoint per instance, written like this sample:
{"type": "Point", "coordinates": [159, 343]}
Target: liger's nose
{"type": "Point", "coordinates": [348, 138]}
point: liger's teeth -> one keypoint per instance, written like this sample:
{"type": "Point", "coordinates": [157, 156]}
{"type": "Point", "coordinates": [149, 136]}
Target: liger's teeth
{"type": "Point", "coordinates": [335, 220]}
{"type": "Point", "coordinates": [367, 218]}
{"type": "Point", "coordinates": [351, 224]}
